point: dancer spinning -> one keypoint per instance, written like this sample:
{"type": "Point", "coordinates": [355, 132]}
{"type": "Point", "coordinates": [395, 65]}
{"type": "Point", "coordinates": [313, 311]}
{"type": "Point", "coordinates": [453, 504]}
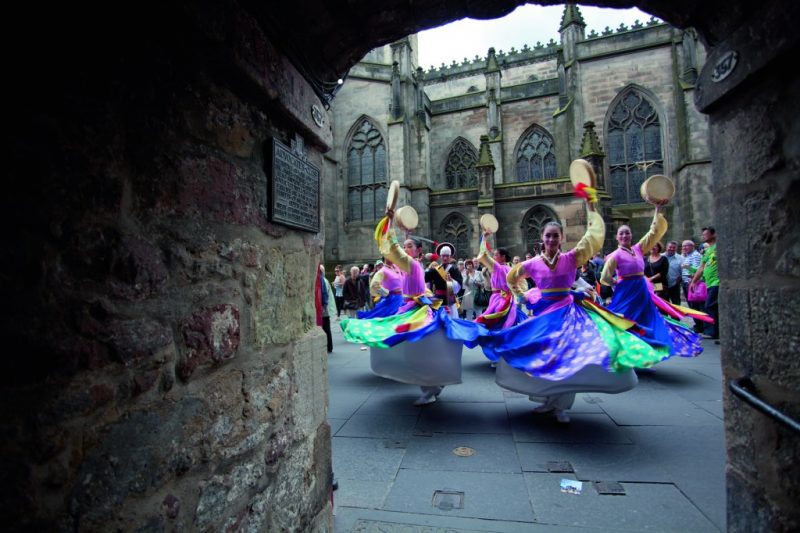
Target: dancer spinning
{"type": "Point", "coordinates": [634, 298]}
{"type": "Point", "coordinates": [567, 332]}
{"type": "Point", "coordinates": [418, 317]}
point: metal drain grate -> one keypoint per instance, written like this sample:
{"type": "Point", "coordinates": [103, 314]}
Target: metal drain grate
{"type": "Point", "coordinates": [447, 500]}
{"type": "Point", "coordinates": [609, 487]}
{"type": "Point", "coordinates": [559, 467]}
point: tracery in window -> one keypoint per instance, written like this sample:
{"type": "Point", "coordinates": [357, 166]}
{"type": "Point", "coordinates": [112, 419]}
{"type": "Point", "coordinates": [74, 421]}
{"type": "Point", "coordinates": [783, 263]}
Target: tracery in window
{"type": "Point", "coordinates": [536, 156]}
{"type": "Point", "coordinates": [633, 142]}
{"type": "Point", "coordinates": [460, 170]}
{"type": "Point", "coordinates": [366, 174]}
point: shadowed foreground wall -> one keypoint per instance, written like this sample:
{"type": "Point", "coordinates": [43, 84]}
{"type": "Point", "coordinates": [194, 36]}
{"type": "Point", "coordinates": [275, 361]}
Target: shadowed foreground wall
{"type": "Point", "coordinates": [165, 370]}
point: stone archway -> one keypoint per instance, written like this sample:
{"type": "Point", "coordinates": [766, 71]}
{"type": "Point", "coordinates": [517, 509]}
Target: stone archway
{"type": "Point", "coordinates": [142, 257]}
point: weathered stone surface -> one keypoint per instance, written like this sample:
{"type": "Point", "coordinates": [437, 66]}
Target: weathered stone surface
{"type": "Point", "coordinates": [210, 336]}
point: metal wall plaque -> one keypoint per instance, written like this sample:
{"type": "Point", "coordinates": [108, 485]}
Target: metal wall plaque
{"type": "Point", "coordinates": [294, 187]}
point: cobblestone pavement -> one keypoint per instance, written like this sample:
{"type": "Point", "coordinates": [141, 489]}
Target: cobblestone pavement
{"type": "Point", "coordinates": [479, 459]}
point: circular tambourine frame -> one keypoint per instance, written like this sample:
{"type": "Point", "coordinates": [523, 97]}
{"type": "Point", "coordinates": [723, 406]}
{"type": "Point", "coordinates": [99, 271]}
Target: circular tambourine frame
{"type": "Point", "coordinates": [581, 171]}
{"type": "Point", "coordinates": [657, 189]}
{"type": "Point", "coordinates": [406, 218]}
{"type": "Point", "coordinates": [392, 195]}
{"type": "Point", "coordinates": [489, 223]}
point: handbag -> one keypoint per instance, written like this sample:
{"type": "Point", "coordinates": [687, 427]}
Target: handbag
{"type": "Point", "coordinates": [481, 298]}
{"type": "Point", "coordinates": [697, 292]}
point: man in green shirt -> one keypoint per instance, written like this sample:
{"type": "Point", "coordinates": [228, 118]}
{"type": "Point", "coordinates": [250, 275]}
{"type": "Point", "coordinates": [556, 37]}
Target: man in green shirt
{"type": "Point", "coordinates": [708, 269]}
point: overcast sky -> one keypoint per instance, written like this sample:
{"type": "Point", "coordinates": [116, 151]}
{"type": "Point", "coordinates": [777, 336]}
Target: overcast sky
{"type": "Point", "coordinates": [526, 25]}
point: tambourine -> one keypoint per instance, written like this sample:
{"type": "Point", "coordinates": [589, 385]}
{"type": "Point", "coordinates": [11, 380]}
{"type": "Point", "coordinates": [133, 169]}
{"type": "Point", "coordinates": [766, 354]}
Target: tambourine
{"type": "Point", "coordinates": [489, 223]}
{"type": "Point", "coordinates": [657, 189]}
{"type": "Point", "coordinates": [391, 196]}
{"type": "Point", "coordinates": [406, 218]}
{"type": "Point", "coordinates": [581, 171]}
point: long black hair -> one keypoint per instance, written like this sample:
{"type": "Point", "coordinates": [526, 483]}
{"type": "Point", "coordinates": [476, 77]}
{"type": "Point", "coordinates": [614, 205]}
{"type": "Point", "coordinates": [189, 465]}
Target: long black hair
{"type": "Point", "coordinates": [505, 254]}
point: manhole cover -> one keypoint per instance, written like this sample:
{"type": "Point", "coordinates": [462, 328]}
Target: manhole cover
{"type": "Point", "coordinates": [447, 500]}
{"type": "Point", "coordinates": [560, 467]}
{"type": "Point", "coordinates": [609, 487]}
{"type": "Point", "coordinates": [464, 451]}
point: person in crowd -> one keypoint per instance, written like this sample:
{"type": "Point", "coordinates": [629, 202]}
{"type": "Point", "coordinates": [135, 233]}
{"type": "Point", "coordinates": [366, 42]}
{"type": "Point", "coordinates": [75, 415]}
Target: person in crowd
{"type": "Point", "coordinates": [364, 278]}
{"type": "Point", "coordinates": [598, 262]}
{"type": "Point", "coordinates": [440, 275]}
{"type": "Point", "coordinates": [338, 287]}
{"type": "Point", "coordinates": [324, 302]}
{"type": "Point", "coordinates": [515, 260]}
{"type": "Point", "coordinates": [633, 298]}
{"type": "Point", "coordinates": [353, 293]}
{"type": "Point", "coordinates": [708, 270]}
{"type": "Point", "coordinates": [473, 282]}
{"type": "Point", "coordinates": [675, 262]}
{"type": "Point", "coordinates": [656, 269]}
{"type": "Point", "coordinates": [690, 264]}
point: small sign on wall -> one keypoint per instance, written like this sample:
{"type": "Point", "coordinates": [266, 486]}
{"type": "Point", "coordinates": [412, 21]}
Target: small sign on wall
{"type": "Point", "coordinates": [294, 188]}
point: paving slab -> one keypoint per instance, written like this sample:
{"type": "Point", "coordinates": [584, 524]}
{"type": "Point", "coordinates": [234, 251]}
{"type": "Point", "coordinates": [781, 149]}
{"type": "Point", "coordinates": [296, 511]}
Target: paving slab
{"type": "Point", "coordinates": [375, 521]}
{"type": "Point", "coordinates": [464, 417]}
{"type": "Point", "coordinates": [360, 493]}
{"type": "Point", "coordinates": [590, 427]}
{"type": "Point", "coordinates": [644, 507]}
{"type": "Point", "coordinates": [385, 426]}
{"type": "Point", "coordinates": [595, 462]}
{"type": "Point", "coordinates": [345, 403]}
{"type": "Point", "coordinates": [643, 407]}
{"type": "Point", "coordinates": [490, 496]}
{"type": "Point", "coordinates": [488, 453]}
{"type": "Point", "coordinates": [365, 459]}
{"type": "Point", "coordinates": [335, 424]}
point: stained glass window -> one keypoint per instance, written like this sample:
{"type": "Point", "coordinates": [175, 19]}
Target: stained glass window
{"type": "Point", "coordinates": [536, 156]}
{"type": "Point", "coordinates": [633, 143]}
{"type": "Point", "coordinates": [366, 174]}
{"type": "Point", "coordinates": [460, 170]}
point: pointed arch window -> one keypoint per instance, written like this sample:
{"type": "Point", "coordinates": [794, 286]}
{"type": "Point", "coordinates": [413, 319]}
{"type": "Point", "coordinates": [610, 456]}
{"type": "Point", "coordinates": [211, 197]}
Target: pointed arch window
{"type": "Point", "coordinates": [536, 156]}
{"type": "Point", "coordinates": [633, 146]}
{"type": "Point", "coordinates": [366, 174]}
{"type": "Point", "coordinates": [456, 230]}
{"type": "Point", "coordinates": [533, 224]}
{"type": "Point", "coordinates": [460, 170]}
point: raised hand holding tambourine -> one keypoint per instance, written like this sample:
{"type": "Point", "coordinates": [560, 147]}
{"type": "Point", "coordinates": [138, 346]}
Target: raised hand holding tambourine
{"type": "Point", "coordinates": [657, 190]}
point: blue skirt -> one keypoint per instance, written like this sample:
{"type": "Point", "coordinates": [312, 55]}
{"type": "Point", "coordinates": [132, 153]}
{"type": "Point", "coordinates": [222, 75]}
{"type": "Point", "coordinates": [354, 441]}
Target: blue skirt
{"type": "Point", "coordinates": [386, 306]}
{"type": "Point", "coordinates": [632, 300]}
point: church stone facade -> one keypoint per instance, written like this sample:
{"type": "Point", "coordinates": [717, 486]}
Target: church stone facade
{"type": "Point", "coordinates": [497, 134]}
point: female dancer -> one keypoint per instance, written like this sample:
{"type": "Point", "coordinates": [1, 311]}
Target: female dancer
{"type": "Point", "coordinates": [567, 332]}
{"type": "Point", "coordinates": [416, 318]}
{"type": "Point", "coordinates": [634, 299]}
{"type": "Point", "coordinates": [387, 286]}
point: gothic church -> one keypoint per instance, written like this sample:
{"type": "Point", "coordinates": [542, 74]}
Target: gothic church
{"type": "Point", "coordinates": [497, 134]}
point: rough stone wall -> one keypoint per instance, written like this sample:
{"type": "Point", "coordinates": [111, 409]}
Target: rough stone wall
{"type": "Point", "coordinates": [167, 372]}
{"type": "Point", "coordinates": [519, 116]}
{"type": "Point", "coordinates": [357, 98]}
{"type": "Point", "coordinates": [437, 88]}
{"type": "Point", "coordinates": [445, 129]}
{"type": "Point", "coordinates": [757, 206]}
{"type": "Point", "coordinates": [540, 70]}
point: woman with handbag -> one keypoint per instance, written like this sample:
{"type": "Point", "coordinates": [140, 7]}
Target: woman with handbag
{"type": "Point", "coordinates": [472, 302]}
{"type": "Point", "coordinates": [635, 300]}
{"type": "Point", "coordinates": [656, 269]}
